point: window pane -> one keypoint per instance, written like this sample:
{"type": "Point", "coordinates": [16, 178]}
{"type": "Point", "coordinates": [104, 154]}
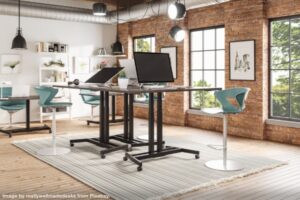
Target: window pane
{"type": "Point", "coordinates": [197, 78]}
{"type": "Point", "coordinates": [197, 60]}
{"type": "Point", "coordinates": [209, 78]}
{"type": "Point", "coordinates": [209, 60]}
{"type": "Point", "coordinates": [280, 55]}
{"type": "Point", "coordinates": [146, 44]}
{"type": "Point", "coordinates": [295, 30]}
{"type": "Point", "coordinates": [221, 59]}
{"type": "Point", "coordinates": [221, 79]}
{"type": "Point", "coordinates": [295, 81]}
{"type": "Point", "coordinates": [209, 39]}
{"type": "Point", "coordinates": [280, 105]}
{"type": "Point", "coordinates": [220, 38]}
{"type": "Point", "coordinates": [280, 33]}
{"type": "Point", "coordinates": [295, 64]}
{"type": "Point", "coordinates": [295, 51]}
{"type": "Point", "coordinates": [295, 112]}
{"type": "Point", "coordinates": [197, 39]}
{"type": "Point", "coordinates": [280, 81]}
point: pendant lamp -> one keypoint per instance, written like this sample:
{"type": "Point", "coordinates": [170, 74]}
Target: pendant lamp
{"type": "Point", "coordinates": [99, 9]}
{"type": "Point", "coordinates": [176, 11]}
{"type": "Point", "coordinates": [19, 41]}
{"type": "Point", "coordinates": [117, 47]}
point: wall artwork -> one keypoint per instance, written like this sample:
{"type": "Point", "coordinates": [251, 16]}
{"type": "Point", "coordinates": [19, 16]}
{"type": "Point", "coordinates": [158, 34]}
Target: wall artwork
{"type": "Point", "coordinates": [10, 64]}
{"type": "Point", "coordinates": [81, 65]}
{"type": "Point", "coordinates": [172, 51]}
{"type": "Point", "coordinates": [242, 60]}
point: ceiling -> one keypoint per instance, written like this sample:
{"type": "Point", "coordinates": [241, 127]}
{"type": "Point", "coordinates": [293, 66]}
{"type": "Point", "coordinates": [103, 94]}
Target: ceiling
{"type": "Point", "coordinates": [88, 4]}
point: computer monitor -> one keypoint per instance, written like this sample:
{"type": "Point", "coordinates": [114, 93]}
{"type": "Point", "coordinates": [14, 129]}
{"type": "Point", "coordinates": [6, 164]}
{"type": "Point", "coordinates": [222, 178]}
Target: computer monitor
{"type": "Point", "coordinates": [153, 67]}
{"type": "Point", "coordinates": [104, 75]}
{"type": "Point", "coordinates": [129, 67]}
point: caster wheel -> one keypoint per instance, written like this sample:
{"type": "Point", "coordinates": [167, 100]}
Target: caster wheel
{"type": "Point", "coordinates": [125, 158]}
{"type": "Point", "coordinates": [102, 156]}
{"type": "Point", "coordinates": [71, 144]}
{"type": "Point", "coordinates": [197, 156]}
{"type": "Point", "coordinates": [140, 168]}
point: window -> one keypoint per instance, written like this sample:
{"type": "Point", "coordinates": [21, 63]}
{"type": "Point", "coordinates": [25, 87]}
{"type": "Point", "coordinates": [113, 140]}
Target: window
{"type": "Point", "coordinates": [285, 68]}
{"type": "Point", "coordinates": [207, 64]}
{"type": "Point", "coordinates": [143, 44]}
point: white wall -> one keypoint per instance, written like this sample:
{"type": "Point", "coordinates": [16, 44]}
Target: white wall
{"type": "Point", "coordinates": [83, 39]}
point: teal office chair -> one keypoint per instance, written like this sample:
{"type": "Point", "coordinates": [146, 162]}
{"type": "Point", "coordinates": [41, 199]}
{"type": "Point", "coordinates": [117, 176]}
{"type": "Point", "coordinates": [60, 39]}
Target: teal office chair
{"type": "Point", "coordinates": [47, 95]}
{"type": "Point", "coordinates": [90, 99]}
{"type": "Point", "coordinates": [10, 106]}
{"type": "Point", "coordinates": [233, 102]}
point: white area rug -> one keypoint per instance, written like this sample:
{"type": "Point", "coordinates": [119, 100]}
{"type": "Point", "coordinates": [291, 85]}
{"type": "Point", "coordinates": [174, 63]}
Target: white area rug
{"type": "Point", "coordinates": [161, 178]}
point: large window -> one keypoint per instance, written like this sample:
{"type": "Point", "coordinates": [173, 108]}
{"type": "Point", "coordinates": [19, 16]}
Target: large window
{"type": "Point", "coordinates": [143, 44]}
{"type": "Point", "coordinates": [285, 68]}
{"type": "Point", "coordinates": [207, 64]}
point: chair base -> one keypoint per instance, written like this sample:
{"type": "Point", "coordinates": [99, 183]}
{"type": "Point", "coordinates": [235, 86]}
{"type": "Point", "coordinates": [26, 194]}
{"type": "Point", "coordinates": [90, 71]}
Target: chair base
{"type": "Point", "coordinates": [53, 151]}
{"type": "Point", "coordinates": [219, 165]}
{"type": "Point", "coordinates": [144, 137]}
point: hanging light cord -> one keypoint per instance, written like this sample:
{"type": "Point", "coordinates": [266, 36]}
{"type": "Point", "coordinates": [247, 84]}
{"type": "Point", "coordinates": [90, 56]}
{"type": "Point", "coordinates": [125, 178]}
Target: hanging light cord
{"type": "Point", "coordinates": [19, 7]}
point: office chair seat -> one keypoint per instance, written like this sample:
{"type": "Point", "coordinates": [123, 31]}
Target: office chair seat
{"type": "Point", "coordinates": [93, 102]}
{"type": "Point", "coordinates": [13, 107]}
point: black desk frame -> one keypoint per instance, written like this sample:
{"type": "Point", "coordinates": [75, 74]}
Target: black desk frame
{"type": "Point", "coordinates": [161, 150]}
{"type": "Point", "coordinates": [113, 114]}
{"type": "Point", "coordinates": [9, 132]}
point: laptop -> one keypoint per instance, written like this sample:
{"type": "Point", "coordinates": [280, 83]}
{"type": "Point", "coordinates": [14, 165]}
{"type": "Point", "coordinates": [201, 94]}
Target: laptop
{"type": "Point", "coordinates": [104, 75]}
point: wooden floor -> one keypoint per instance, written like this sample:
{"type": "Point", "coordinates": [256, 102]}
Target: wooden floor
{"type": "Point", "coordinates": [20, 173]}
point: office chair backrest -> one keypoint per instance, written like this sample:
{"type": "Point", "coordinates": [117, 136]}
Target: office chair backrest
{"type": "Point", "coordinates": [7, 92]}
{"type": "Point", "coordinates": [46, 94]}
{"type": "Point", "coordinates": [87, 97]}
{"type": "Point", "coordinates": [233, 100]}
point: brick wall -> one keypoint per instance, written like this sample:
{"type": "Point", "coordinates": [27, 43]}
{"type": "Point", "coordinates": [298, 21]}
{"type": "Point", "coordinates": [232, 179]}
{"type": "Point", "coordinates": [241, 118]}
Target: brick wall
{"type": "Point", "coordinates": [243, 20]}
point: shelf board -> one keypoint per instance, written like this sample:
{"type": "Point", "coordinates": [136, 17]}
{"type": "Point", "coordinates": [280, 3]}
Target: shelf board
{"type": "Point", "coordinates": [61, 69]}
{"type": "Point", "coordinates": [110, 56]}
{"type": "Point", "coordinates": [52, 53]}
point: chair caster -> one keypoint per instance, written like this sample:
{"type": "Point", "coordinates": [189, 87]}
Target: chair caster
{"type": "Point", "coordinates": [71, 144]}
{"type": "Point", "coordinates": [125, 158]}
{"type": "Point", "coordinates": [102, 156]}
{"type": "Point", "coordinates": [197, 156]}
{"type": "Point", "coordinates": [140, 168]}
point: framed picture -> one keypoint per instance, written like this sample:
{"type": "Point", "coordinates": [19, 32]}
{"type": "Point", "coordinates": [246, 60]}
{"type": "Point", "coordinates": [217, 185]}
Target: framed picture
{"type": "Point", "coordinates": [10, 64]}
{"type": "Point", "coordinates": [172, 51]}
{"type": "Point", "coordinates": [242, 60]}
{"type": "Point", "coordinates": [81, 65]}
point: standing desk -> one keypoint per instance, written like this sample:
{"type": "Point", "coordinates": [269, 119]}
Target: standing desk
{"type": "Point", "coordinates": [127, 137]}
{"type": "Point", "coordinates": [27, 128]}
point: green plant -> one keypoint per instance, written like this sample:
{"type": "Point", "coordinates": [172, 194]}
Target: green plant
{"type": "Point", "coordinates": [53, 62]}
{"type": "Point", "coordinates": [122, 74]}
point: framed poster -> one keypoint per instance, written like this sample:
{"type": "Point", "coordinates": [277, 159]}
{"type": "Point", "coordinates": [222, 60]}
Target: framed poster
{"type": "Point", "coordinates": [81, 65]}
{"type": "Point", "coordinates": [10, 64]}
{"type": "Point", "coordinates": [242, 60]}
{"type": "Point", "coordinates": [172, 51]}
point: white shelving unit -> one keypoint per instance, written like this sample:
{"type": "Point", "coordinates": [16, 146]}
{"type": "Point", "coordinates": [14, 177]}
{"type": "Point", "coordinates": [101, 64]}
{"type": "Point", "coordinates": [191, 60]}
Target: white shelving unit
{"type": "Point", "coordinates": [54, 69]}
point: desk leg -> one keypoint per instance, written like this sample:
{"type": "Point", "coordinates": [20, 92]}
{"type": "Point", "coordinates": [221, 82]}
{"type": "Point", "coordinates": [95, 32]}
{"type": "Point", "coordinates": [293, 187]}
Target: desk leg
{"type": "Point", "coordinates": [159, 123]}
{"type": "Point", "coordinates": [102, 113]}
{"type": "Point", "coordinates": [131, 118]}
{"type": "Point", "coordinates": [106, 116]}
{"type": "Point", "coordinates": [113, 108]}
{"type": "Point", "coordinates": [28, 114]}
{"type": "Point", "coordinates": [126, 136]}
{"type": "Point", "coordinates": [151, 123]}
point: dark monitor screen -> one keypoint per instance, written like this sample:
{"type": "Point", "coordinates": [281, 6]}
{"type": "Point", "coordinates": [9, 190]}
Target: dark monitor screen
{"type": "Point", "coordinates": [153, 67]}
{"type": "Point", "coordinates": [104, 75]}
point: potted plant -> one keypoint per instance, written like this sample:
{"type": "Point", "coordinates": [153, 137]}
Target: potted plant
{"type": "Point", "coordinates": [123, 80]}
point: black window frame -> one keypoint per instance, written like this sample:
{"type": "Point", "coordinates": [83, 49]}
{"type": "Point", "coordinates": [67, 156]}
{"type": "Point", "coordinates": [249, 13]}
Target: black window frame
{"type": "Point", "coordinates": [289, 18]}
{"type": "Point", "coordinates": [215, 50]}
